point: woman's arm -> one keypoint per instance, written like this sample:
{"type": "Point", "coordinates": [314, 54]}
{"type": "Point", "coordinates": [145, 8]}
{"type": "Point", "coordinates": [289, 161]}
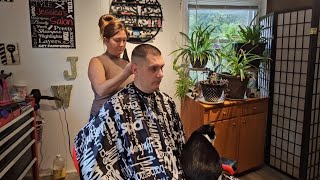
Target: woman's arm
{"type": "Point", "coordinates": [101, 85]}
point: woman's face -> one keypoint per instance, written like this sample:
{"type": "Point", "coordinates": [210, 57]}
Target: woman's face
{"type": "Point", "coordinates": [117, 43]}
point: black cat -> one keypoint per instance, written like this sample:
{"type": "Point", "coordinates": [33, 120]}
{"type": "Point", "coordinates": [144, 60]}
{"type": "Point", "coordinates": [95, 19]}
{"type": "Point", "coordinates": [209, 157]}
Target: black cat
{"type": "Point", "coordinates": [200, 160]}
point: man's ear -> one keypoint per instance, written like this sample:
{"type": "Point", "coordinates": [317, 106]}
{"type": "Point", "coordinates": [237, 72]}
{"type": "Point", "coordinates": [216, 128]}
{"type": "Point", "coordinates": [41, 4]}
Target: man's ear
{"type": "Point", "coordinates": [105, 40]}
{"type": "Point", "coordinates": [134, 68]}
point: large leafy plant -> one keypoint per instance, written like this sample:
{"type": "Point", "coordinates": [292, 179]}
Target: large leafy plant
{"type": "Point", "coordinates": [236, 63]}
{"type": "Point", "coordinates": [198, 46]}
{"type": "Point", "coordinates": [252, 33]}
{"type": "Point", "coordinates": [184, 82]}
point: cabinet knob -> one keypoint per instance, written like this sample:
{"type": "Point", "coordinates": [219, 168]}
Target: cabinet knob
{"type": "Point", "coordinates": [244, 122]}
{"type": "Point", "coordinates": [224, 113]}
{"type": "Point", "coordinates": [233, 124]}
{"type": "Point", "coordinates": [254, 108]}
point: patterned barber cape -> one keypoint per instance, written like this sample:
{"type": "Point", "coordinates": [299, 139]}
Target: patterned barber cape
{"type": "Point", "coordinates": [134, 136]}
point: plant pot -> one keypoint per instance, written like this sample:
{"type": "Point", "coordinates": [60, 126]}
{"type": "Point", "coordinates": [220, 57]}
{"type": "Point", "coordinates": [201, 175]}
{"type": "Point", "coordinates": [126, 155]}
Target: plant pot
{"type": "Point", "coordinates": [236, 88]}
{"type": "Point", "coordinates": [256, 49]}
{"type": "Point", "coordinates": [211, 92]}
{"type": "Point", "coordinates": [198, 64]}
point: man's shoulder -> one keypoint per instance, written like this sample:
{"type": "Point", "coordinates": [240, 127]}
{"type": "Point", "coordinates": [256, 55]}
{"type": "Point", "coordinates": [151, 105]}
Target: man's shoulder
{"type": "Point", "coordinates": [121, 93]}
{"type": "Point", "coordinates": [165, 96]}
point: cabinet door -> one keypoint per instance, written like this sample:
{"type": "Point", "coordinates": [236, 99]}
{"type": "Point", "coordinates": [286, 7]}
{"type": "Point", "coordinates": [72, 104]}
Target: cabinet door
{"type": "Point", "coordinates": [251, 141]}
{"type": "Point", "coordinates": [226, 138]}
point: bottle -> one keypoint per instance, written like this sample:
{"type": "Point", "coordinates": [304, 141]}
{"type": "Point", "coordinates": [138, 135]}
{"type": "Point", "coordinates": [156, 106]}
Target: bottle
{"type": "Point", "coordinates": [59, 168]}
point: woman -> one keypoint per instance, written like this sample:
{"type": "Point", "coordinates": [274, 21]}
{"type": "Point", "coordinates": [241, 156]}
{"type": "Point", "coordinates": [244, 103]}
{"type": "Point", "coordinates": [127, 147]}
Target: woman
{"type": "Point", "coordinates": [108, 73]}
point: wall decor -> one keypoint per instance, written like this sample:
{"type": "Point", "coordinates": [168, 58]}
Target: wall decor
{"type": "Point", "coordinates": [52, 23]}
{"type": "Point", "coordinates": [73, 63]}
{"type": "Point", "coordinates": [6, 0]}
{"type": "Point", "coordinates": [9, 54]}
{"type": "Point", "coordinates": [142, 18]}
{"type": "Point", "coordinates": [62, 92]}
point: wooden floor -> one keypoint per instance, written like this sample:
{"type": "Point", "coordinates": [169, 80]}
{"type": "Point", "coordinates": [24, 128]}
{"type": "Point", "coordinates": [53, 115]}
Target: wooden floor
{"type": "Point", "coordinates": [264, 173]}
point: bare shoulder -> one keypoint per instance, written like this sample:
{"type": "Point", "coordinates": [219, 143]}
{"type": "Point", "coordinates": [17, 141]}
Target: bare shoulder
{"type": "Point", "coordinates": [95, 66]}
{"type": "Point", "coordinates": [95, 61]}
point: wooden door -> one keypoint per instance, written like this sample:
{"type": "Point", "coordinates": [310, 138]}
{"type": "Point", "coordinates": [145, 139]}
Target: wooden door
{"type": "Point", "coordinates": [251, 141]}
{"type": "Point", "coordinates": [226, 138]}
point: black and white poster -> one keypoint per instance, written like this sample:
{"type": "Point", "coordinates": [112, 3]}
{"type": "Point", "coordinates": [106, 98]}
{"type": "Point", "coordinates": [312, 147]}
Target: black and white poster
{"type": "Point", "coordinates": [9, 54]}
{"type": "Point", "coordinates": [52, 23]}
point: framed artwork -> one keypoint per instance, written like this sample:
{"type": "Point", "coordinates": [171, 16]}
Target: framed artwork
{"type": "Point", "coordinates": [9, 54]}
{"type": "Point", "coordinates": [52, 23]}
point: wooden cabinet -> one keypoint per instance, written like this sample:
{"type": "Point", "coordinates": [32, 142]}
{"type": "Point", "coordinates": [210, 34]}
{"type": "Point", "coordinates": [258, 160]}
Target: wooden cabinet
{"type": "Point", "coordinates": [252, 130]}
{"type": "Point", "coordinates": [18, 147]}
{"type": "Point", "coordinates": [226, 138]}
{"type": "Point", "coordinates": [240, 128]}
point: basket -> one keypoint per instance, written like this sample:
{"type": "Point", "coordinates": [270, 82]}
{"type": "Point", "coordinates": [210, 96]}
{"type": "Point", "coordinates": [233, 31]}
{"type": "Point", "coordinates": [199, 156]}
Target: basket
{"type": "Point", "coordinates": [39, 129]}
{"type": "Point", "coordinates": [211, 92]}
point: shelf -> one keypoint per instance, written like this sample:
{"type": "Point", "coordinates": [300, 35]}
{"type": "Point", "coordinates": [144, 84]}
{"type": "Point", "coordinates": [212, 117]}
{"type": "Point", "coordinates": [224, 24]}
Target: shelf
{"type": "Point", "coordinates": [143, 19]}
{"type": "Point", "coordinates": [143, 27]}
{"type": "Point", "coordinates": [138, 16]}
{"type": "Point", "coordinates": [134, 4]}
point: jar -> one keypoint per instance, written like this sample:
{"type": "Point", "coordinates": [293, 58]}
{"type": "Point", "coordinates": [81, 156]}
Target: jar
{"type": "Point", "coordinates": [59, 168]}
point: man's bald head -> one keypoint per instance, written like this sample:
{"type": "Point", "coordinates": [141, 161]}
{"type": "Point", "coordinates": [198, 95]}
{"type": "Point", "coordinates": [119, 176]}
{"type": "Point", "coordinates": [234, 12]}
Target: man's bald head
{"type": "Point", "coordinates": [140, 53]}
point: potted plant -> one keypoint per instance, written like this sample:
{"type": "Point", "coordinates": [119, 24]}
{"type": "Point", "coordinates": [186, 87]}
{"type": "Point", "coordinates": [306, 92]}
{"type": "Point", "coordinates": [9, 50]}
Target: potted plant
{"type": "Point", "coordinates": [238, 70]}
{"type": "Point", "coordinates": [213, 87]}
{"type": "Point", "coordinates": [250, 40]}
{"type": "Point", "coordinates": [198, 49]}
{"type": "Point", "coordinates": [184, 81]}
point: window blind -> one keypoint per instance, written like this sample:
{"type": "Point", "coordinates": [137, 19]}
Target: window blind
{"type": "Point", "coordinates": [250, 4]}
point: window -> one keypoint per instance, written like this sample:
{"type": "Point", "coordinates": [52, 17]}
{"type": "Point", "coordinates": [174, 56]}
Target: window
{"type": "Point", "coordinates": [224, 15]}
{"type": "Point", "coordinates": [225, 21]}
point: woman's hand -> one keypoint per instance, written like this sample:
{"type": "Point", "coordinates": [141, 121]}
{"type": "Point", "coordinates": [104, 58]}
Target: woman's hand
{"type": "Point", "coordinates": [127, 70]}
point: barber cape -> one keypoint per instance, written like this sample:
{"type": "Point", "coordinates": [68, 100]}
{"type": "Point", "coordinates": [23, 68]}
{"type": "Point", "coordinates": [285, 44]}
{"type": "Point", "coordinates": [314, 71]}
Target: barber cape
{"type": "Point", "coordinates": [134, 136]}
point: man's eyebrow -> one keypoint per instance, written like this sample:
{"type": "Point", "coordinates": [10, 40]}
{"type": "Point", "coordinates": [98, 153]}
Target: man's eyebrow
{"type": "Point", "coordinates": [157, 65]}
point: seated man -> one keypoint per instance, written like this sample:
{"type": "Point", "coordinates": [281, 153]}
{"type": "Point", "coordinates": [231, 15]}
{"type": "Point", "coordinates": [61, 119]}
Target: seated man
{"type": "Point", "coordinates": [138, 133]}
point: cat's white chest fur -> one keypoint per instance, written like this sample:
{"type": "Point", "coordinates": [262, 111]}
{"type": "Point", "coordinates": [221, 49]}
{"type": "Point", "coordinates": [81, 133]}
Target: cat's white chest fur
{"type": "Point", "coordinates": [209, 139]}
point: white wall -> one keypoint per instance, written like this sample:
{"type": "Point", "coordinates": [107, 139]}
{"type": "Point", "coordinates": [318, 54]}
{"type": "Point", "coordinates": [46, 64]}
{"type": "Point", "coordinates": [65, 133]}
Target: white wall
{"type": "Point", "coordinates": [40, 68]}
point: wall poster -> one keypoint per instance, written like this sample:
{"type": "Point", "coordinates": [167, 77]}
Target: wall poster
{"type": "Point", "coordinates": [52, 23]}
{"type": "Point", "coordinates": [9, 54]}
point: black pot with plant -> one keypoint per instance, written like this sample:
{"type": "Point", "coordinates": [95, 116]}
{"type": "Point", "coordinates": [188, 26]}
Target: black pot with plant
{"type": "Point", "coordinates": [237, 70]}
{"type": "Point", "coordinates": [213, 87]}
{"type": "Point", "coordinates": [251, 41]}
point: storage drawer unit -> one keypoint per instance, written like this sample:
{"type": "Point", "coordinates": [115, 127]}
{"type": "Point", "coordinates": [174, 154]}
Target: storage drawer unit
{"type": "Point", "coordinates": [18, 150]}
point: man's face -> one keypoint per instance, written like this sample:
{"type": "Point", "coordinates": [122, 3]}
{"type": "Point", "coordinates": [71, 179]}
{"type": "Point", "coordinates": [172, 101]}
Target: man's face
{"type": "Point", "coordinates": [149, 73]}
{"type": "Point", "coordinates": [117, 43]}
